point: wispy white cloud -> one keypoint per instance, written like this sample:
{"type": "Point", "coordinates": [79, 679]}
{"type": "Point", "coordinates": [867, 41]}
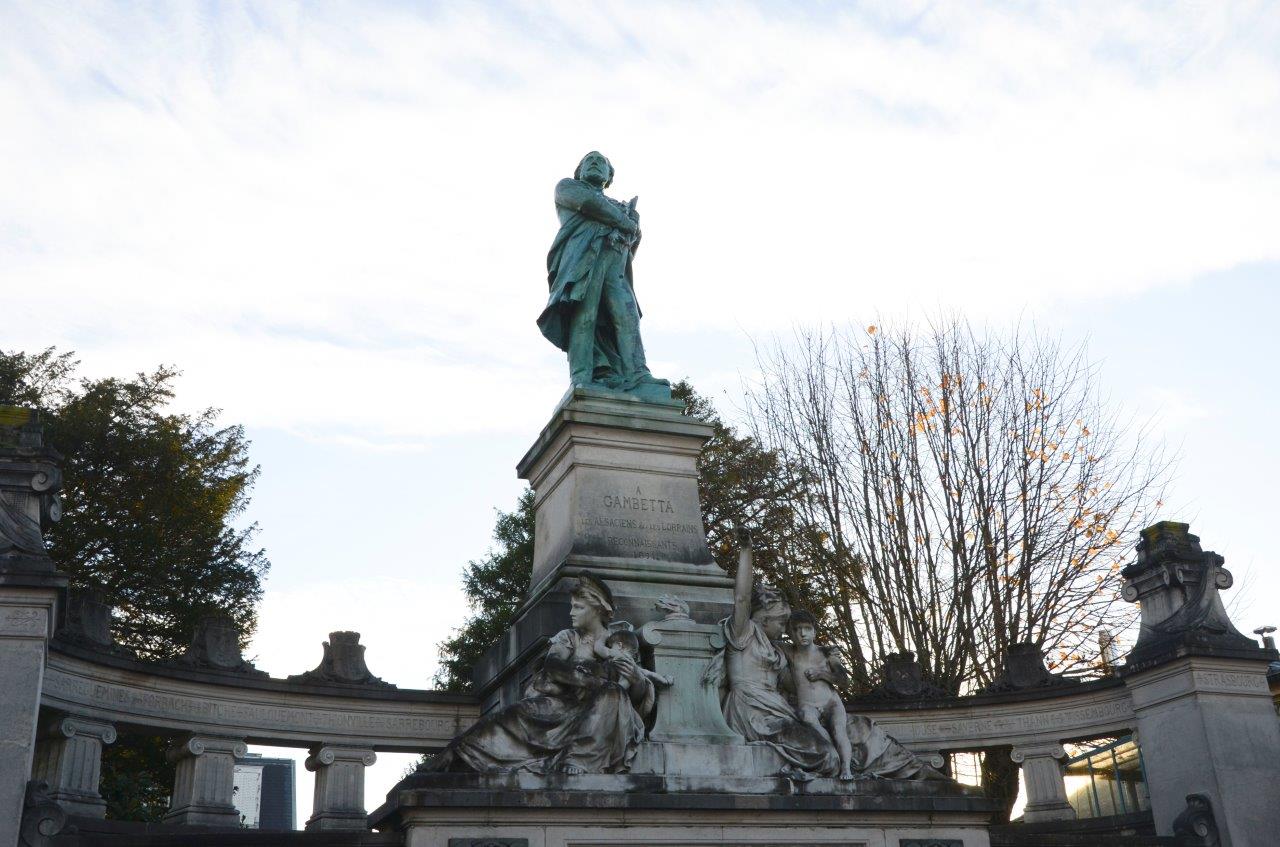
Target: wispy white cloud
{"type": "Point", "coordinates": [336, 217]}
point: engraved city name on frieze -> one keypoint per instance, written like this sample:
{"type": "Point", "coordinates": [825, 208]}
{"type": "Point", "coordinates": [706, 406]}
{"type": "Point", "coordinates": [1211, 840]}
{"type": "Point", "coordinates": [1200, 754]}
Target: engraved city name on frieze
{"type": "Point", "coordinates": [1224, 680]}
{"type": "Point", "coordinates": [997, 726]}
{"type": "Point", "coordinates": [642, 517]}
{"type": "Point", "coordinates": [259, 717]}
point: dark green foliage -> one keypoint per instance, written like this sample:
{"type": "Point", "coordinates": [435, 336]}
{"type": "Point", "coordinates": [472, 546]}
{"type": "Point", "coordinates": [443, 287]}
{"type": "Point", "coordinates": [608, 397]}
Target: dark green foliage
{"type": "Point", "coordinates": [150, 502]}
{"type": "Point", "coordinates": [495, 587]}
{"type": "Point", "coordinates": [150, 499]}
{"type": "Point", "coordinates": [136, 777]}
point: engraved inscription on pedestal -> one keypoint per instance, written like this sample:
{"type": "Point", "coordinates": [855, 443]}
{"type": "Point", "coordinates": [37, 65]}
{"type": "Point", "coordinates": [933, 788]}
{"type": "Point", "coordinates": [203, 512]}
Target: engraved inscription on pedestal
{"type": "Point", "coordinates": [640, 517]}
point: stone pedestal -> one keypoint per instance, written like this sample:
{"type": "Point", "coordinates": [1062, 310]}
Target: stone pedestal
{"type": "Point", "coordinates": [205, 781]}
{"type": "Point", "coordinates": [615, 485]}
{"type": "Point", "coordinates": [449, 810]}
{"type": "Point", "coordinates": [1208, 726]}
{"type": "Point", "coordinates": [69, 759]}
{"type": "Point", "coordinates": [1046, 788]}
{"type": "Point", "coordinates": [339, 792]}
{"type": "Point", "coordinates": [689, 711]}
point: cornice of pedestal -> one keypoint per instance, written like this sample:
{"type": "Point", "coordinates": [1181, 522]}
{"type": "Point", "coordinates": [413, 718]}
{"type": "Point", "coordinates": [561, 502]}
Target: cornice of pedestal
{"type": "Point", "coordinates": [587, 408]}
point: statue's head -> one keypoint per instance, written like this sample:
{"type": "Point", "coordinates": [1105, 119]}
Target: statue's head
{"type": "Point", "coordinates": [770, 609]}
{"type": "Point", "coordinates": [802, 627]}
{"type": "Point", "coordinates": [591, 600]}
{"type": "Point", "coordinates": [595, 169]}
{"type": "Point", "coordinates": [624, 640]}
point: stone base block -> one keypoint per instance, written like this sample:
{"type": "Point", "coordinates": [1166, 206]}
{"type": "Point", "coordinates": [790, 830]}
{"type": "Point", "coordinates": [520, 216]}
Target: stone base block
{"type": "Point", "coordinates": [751, 760]}
{"type": "Point", "coordinates": [525, 810]}
{"type": "Point", "coordinates": [351, 820]}
{"type": "Point", "coordinates": [201, 815]}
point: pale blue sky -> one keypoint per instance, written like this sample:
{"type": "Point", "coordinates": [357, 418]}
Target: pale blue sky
{"type": "Point", "coordinates": [334, 218]}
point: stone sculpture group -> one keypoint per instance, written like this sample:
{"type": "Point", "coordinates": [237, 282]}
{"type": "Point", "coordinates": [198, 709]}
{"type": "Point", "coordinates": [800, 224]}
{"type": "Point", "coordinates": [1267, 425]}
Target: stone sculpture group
{"type": "Point", "coordinates": [585, 707]}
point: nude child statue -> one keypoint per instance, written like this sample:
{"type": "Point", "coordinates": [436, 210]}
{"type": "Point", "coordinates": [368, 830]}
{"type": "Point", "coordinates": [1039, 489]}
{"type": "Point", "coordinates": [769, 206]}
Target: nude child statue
{"type": "Point", "coordinates": [814, 672]}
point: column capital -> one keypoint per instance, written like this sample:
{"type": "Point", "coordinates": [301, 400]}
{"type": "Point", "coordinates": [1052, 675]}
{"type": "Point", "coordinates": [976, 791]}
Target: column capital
{"type": "Point", "coordinates": [198, 745]}
{"type": "Point", "coordinates": [326, 755]}
{"type": "Point", "coordinates": [72, 726]}
{"type": "Point", "coordinates": [1022, 752]}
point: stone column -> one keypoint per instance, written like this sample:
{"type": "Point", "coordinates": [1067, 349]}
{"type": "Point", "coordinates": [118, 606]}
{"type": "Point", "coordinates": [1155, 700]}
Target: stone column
{"type": "Point", "coordinates": [205, 781]}
{"type": "Point", "coordinates": [1046, 788]}
{"type": "Point", "coordinates": [69, 759]}
{"type": "Point", "coordinates": [1200, 697]}
{"type": "Point", "coordinates": [30, 588]}
{"type": "Point", "coordinates": [339, 792]}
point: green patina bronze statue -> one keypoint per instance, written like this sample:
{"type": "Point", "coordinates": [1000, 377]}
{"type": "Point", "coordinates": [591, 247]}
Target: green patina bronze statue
{"type": "Point", "coordinates": [592, 313]}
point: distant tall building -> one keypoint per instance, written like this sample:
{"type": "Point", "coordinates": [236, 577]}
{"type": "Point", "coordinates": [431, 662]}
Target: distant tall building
{"type": "Point", "coordinates": [264, 790]}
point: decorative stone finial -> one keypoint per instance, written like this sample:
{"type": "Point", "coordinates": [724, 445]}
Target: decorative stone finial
{"type": "Point", "coordinates": [216, 646]}
{"type": "Point", "coordinates": [29, 481]}
{"type": "Point", "coordinates": [1177, 585]}
{"type": "Point", "coordinates": [902, 678]}
{"type": "Point", "coordinates": [88, 620]}
{"type": "Point", "coordinates": [343, 664]}
{"type": "Point", "coordinates": [675, 608]}
{"type": "Point", "coordinates": [1024, 668]}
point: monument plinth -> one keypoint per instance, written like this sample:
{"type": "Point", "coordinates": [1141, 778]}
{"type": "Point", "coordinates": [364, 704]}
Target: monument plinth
{"type": "Point", "coordinates": [615, 480]}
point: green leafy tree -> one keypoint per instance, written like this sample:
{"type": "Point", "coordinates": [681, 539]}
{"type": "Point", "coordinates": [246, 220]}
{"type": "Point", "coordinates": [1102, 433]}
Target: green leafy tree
{"type": "Point", "coordinates": [151, 504]}
{"type": "Point", "coordinates": [495, 587]}
{"type": "Point", "coordinates": [151, 499]}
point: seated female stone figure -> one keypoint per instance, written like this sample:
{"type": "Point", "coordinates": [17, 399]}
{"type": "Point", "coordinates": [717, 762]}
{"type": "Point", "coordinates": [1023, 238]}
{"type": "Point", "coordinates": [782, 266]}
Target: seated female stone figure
{"type": "Point", "coordinates": [750, 666]}
{"type": "Point", "coordinates": [580, 714]}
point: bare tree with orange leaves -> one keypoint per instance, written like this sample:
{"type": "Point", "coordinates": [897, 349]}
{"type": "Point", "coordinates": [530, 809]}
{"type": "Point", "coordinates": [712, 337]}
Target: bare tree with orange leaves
{"type": "Point", "coordinates": [973, 491]}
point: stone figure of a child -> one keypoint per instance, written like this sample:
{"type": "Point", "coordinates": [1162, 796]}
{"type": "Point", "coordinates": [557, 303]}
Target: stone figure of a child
{"type": "Point", "coordinates": [623, 642]}
{"type": "Point", "coordinates": [815, 670]}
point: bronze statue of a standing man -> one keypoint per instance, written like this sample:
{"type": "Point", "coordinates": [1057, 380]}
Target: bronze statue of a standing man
{"type": "Point", "coordinates": [592, 313]}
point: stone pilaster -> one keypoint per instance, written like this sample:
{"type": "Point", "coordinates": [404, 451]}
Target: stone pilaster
{"type": "Point", "coordinates": [204, 783]}
{"type": "Point", "coordinates": [1042, 776]}
{"type": "Point", "coordinates": [69, 759]}
{"type": "Point", "coordinates": [1207, 726]}
{"type": "Point", "coordinates": [30, 593]}
{"type": "Point", "coordinates": [339, 791]}
{"type": "Point", "coordinates": [1201, 701]}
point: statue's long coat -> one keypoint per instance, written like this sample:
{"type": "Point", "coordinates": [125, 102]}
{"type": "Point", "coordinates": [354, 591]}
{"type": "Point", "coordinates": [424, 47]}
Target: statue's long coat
{"type": "Point", "coordinates": [574, 268]}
